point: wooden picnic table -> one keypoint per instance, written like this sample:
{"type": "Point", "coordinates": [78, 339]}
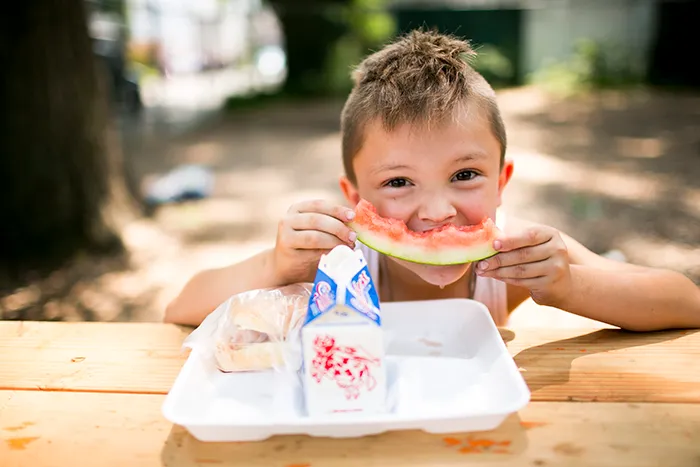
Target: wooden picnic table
{"type": "Point", "coordinates": [74, 394]}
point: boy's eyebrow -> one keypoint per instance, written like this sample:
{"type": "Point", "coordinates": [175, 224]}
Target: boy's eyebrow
{"type": "Point", "coordinates": [470, 157]}
{"type": "Point", "coordinates": [388, 167]}
{"type": "Point", "coordinates": [464, 158]}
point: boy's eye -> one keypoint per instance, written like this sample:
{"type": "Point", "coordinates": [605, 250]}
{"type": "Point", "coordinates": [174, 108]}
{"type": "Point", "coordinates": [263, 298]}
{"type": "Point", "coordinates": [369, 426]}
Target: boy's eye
{"type": "Point", "coordinates": [465, 175]}
{"type": "Point", "coordinates": [397, 183]}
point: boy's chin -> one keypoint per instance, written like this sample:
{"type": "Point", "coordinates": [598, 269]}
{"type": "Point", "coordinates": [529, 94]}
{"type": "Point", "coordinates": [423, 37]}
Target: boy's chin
{"type": "Point", "coordinates": [440, 276]}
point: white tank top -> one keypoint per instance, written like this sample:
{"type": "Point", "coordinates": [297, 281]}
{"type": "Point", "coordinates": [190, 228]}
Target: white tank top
{"type": "Point", "coordinates": [491, 292]}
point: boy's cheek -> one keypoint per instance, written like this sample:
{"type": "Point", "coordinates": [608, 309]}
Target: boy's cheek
{"type": "Point", "coordinates": [394, 209]}
{"type": "Point", "coordinates": [475, 208]}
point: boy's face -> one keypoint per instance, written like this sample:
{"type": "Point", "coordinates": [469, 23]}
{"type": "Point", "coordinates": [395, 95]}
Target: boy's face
{"type": "Point", "coordinates": [430, 177]}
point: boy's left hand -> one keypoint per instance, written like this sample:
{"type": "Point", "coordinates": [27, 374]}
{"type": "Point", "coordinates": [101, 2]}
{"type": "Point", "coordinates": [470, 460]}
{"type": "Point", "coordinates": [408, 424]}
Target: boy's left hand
{"type": "Point", "coordinates": [535, 258]}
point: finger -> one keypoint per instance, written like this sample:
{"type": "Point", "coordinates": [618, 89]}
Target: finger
{"type": "Point", "coordinates": [321, 206]}
{"type": "Point", "coordinates": [311, 240]}
{"type": "Point", "coordinates": [534, 270]}
{"type": "Point", "coordinates": [518, 256]}
{"type": "Point", "coordinates": [322, 223]}
{"type": "Point", "coordinates": [532, 236]}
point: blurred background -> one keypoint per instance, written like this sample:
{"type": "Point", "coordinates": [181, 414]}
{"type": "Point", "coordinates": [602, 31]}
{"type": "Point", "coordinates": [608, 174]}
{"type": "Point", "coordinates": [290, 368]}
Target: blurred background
{"type": "Point", "coordinates": [144, 140]}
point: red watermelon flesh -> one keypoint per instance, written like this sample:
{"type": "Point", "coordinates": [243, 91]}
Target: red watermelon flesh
{"type": "Point", "coordinates": [442, 246]}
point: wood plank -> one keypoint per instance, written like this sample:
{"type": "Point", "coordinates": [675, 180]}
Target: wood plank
{"type": "Point", "coordinates": [112, 357]}
{"type": "Point", "coordinates": [67, 428]}
{"type": "Point", "coordinates": [608, 364]}
{"type": "Point", "coordinates": [558, 364]}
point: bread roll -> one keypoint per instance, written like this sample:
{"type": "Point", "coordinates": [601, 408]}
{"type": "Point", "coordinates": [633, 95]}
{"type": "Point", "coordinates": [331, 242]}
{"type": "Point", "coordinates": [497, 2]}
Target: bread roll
{"type": "Point", "coordinates": [248, 357]}
{"type": "Point", "coordinates": [257, 325]}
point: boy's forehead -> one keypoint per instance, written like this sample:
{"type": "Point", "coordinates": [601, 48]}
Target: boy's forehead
{"type": "Point", "coordinates": [464, 129]}
{"type": "Point", "coordinates": [464, 117]}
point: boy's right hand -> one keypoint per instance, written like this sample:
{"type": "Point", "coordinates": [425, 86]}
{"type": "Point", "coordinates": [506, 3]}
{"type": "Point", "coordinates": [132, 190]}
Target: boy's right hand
{"type": "Point", "coordinates": [309, 230]}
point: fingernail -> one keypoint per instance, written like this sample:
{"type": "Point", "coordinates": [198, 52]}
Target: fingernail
{"type": "Point", "coordinates": [350, 215]}
{"type": "Point", "coordinates": [352, 236]}
{"type": "Point", "coordinates": [483, 265]}
{"type": "Point", "coordinates": [497, 244]}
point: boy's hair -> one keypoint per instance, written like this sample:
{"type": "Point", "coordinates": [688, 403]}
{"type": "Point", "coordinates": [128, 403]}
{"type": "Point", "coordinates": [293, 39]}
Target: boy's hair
{"type": "Point", "coordinates": [420, 78]}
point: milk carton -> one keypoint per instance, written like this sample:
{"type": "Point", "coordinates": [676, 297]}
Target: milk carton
{"type": "Point", "coordinates": [342, 340]}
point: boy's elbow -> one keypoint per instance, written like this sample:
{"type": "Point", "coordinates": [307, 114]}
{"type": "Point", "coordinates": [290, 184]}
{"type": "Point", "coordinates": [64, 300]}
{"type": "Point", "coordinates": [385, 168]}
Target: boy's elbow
{"type": "Point", "coordinates": [176, 313]}
{"type": "Point", "coordinates": [171, 314]}
{"type": "Point", "coordinates": [168, 314]}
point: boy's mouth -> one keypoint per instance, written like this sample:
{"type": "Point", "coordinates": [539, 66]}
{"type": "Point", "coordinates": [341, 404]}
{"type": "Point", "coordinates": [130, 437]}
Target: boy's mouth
{"type": "Point", "coordinates": [435, 227]}
{"type": "Point", "coordinates": [440, 227]}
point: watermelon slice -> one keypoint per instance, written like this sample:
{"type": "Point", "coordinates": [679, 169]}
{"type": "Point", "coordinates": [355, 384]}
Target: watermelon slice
{"type": "Point", "coordinates": [443, 246]}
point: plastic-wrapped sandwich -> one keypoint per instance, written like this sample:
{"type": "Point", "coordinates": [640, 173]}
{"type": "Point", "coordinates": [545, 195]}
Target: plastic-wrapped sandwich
{"type": "Point", "coordinates": [256, 330]}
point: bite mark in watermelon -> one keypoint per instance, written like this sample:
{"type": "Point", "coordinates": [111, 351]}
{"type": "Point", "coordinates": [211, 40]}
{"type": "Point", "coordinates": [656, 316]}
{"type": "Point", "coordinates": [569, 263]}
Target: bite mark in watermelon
{"type": "Point", "coordinates": [446, 245]}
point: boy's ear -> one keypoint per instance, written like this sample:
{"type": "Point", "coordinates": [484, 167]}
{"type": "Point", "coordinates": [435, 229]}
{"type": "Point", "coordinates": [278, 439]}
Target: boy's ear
{"type": "Point", "coordinates": [349, 190]}
{"type": "Point", "coordinates": [504, 178]}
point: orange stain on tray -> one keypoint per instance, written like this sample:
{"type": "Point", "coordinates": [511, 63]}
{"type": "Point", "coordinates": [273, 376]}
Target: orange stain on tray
{"type": "Point", "coordinates": [20, 443]}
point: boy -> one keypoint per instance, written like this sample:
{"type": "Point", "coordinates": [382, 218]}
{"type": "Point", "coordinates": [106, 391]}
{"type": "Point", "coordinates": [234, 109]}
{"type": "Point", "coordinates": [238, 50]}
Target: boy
{"type": "Point", "coordinates": [423, 141]}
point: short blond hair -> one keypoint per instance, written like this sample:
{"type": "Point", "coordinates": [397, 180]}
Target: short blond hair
{"type": "Point", "coordinates": [421, 78]}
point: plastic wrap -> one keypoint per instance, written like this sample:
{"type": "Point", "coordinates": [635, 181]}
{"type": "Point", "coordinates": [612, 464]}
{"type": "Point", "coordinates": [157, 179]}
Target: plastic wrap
{"type": "Point", "coordinates": [255, 330]}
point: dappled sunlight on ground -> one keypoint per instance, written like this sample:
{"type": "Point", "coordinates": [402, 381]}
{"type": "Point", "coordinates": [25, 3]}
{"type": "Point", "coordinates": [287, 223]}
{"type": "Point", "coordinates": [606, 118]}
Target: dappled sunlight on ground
{"type": "Point", "coordinates": [546, 169]}
{"type": "Point", "coordinates": [658, 253]}
{"type": "Point", "coordinates": [610, 169]}
{"type": "Point", "coordinates": [645, 148]}
{"type": "Point", "coordinates": [618, 171]}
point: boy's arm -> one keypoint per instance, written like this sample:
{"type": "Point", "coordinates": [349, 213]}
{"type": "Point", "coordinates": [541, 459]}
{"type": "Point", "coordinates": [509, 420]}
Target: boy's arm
{"type": "Point", "coordinates": [632, 297]}
{"type": "Point", "coordinates": [208, 289]}
{"type": "Point", "coordinates": [309, 229]}
{"type": "Point", "coordinates": [644, 300]}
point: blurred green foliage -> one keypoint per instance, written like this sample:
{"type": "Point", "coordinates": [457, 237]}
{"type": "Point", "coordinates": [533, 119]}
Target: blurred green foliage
{"type": "Point", "coordinates": [370, 25]}
{"type": "Point", "coordinates": [371, 22]}
{"type": "Point", "coordinates": [493, 65]}
{"type": "Point", "coordinates": [593, 65]}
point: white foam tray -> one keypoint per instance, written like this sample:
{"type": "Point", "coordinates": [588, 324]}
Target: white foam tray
{"type": "Point", "coordinates": [448, 369]}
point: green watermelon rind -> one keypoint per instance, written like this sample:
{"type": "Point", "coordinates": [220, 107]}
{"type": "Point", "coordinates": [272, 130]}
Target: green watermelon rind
{"type": "Point", "coordinates": [445, 257]}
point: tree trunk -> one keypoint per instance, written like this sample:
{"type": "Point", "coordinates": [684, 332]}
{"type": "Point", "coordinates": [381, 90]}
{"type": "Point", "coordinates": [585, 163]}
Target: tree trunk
{"type": "Point", "coordinates": [311, 28]}
{"type": "Point", "coordinates": [59, 175]}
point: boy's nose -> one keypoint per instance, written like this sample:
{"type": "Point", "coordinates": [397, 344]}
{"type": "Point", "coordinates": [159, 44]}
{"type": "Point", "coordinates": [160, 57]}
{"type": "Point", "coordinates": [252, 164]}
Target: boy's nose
{"type": "Point", "coordinates": [436, 211]}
